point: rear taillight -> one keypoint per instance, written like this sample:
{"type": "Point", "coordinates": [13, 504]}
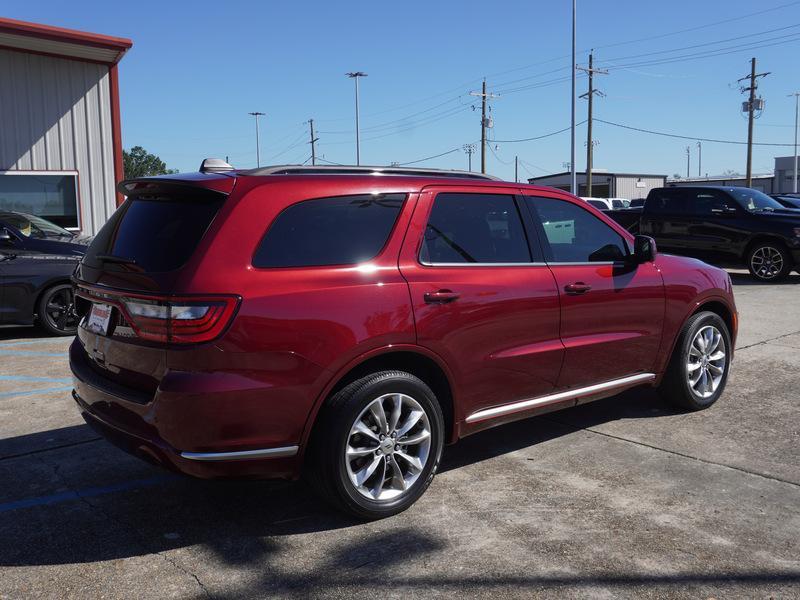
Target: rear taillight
{"type": "Point", "coordinates": [179, 320]}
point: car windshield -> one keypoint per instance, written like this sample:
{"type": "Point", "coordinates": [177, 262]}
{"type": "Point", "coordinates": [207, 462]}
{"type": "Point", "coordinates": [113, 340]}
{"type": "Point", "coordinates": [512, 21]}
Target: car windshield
{"type": "Point", "coordinates": [33, 226]}
{"type": "Point", "coordinates": [754, 200]}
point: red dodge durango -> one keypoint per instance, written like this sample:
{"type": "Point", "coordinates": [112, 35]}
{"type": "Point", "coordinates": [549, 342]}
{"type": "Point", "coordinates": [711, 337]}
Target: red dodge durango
{"type": "Point", "coordinates": [344, 323]}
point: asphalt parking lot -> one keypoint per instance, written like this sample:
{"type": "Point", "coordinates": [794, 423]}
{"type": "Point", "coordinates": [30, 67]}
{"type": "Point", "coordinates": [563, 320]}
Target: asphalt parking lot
{"type": "Point", "coordinates": [621, 498]}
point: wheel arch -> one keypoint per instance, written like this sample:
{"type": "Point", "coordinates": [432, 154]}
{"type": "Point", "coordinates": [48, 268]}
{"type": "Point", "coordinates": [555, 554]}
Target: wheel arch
{"type": "Point", "coordinates": [416, 360]}
{"type": "Point", "coordinates": [761, 238]}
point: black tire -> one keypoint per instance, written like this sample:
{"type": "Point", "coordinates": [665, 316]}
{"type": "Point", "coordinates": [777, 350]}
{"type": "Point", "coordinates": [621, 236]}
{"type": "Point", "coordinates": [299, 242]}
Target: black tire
{"type": "Point", "coordinates": [56, 310]}
{"type": "Point", "coordinates": [763, 258]}
{"type": "Point", "coordinates": [675, 386]}
{"type": "Point", "coordinates": [327, 468]}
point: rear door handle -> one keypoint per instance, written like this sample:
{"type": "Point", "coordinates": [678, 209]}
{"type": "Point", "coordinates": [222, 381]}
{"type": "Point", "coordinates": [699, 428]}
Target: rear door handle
{"type": "Point", "coordinates": [577, 288]}
{"type": "Point", "coordinates": [440, 297]}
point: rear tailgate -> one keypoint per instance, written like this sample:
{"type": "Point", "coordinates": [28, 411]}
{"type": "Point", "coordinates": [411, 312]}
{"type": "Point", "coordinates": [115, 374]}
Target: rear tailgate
{"type": "Point", "coordinates": [129, 273]}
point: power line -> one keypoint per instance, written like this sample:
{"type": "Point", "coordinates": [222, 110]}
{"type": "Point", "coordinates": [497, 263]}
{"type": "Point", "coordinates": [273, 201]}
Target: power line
{"type": "Point", "coordinates": [685, 137]}
{"type": "Point", "coordinates": [540, 137]}
{"type": "Point", "coordinates": [419, 160]}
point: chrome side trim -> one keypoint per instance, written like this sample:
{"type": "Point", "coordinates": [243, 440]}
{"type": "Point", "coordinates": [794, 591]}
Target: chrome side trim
{"type": "Point", "coordinates": [242, 454]}
{"type": "Point", "coordinates": [506, 409]}
{"type": "Point", "coordinates": [477, 264]}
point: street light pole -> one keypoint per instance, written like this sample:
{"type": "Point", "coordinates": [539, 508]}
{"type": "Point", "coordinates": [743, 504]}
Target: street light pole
{"type": "Point", "coordinates": [796, 114]}
{"type": "Point", "coordinates": [573, 174]}
{"type": "Point", "coordinates": [258, 145]}
{"type": "Point", "coordinates": [355, 75]}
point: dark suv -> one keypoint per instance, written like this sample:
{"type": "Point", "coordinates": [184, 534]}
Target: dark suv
{"type": "Point", "coordinates": [345, 323]}
{"type": "Point", "coordinates": [727, 226]}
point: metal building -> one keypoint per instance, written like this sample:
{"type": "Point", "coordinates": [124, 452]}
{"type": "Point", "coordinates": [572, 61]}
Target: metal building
{"type": "Point", "coordinates": [60, 139]}
{"type": "Point", "coordinates": [605, 184]}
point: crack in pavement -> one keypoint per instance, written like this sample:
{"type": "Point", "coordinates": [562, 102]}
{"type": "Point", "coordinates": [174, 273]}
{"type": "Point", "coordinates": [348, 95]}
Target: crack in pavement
{"type": "Point", "coordinates": [675, 452]}
{"type": "Point", "coordinates": [122, 525]}
{"type": "Point", "coordinates": [767, 341]}
{"type": "Point", "coordinates": [40, 450]}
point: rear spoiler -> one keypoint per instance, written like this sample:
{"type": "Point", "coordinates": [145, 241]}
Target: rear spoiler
{"type": "Point", "coordinates": [181, 185]}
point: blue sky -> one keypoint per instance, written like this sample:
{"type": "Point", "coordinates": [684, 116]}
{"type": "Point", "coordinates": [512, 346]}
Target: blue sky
{"type": "Point", "coordinates": [197, 69]}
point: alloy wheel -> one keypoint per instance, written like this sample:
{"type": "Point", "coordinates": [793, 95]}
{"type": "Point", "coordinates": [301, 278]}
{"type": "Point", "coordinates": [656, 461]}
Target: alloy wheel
{"type": "Point", "coordinates": [388, 447]}
{"type": "Point", "coordinates": [60, 310]}
{"type": "Point", "coordinates": [766, 262]}
{"type": "Point", "coordinates": [706, 362]}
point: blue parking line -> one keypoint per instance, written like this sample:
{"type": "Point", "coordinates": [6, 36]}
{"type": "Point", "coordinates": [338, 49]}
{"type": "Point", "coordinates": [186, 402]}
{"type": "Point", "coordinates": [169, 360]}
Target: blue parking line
{"type": "Point", "coordinates": [31, 342]}
{"type": "Point", "coordinates": [34, 392]}
{"type": "Point", "coordinates": [29, 353]}
{"type": "Point", "coordinates": [26, 378]}
{"type": "Point", "coordinates": [85, 493]}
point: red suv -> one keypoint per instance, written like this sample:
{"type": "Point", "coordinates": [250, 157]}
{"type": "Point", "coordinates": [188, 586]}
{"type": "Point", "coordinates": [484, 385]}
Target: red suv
{"type": "Point", "coordinates": [345, 323]}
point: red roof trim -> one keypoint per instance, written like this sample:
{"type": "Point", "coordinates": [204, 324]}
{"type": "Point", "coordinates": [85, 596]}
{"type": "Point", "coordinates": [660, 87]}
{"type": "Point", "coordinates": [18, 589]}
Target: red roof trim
{"type": "Point", "coordinates": [60, 34]}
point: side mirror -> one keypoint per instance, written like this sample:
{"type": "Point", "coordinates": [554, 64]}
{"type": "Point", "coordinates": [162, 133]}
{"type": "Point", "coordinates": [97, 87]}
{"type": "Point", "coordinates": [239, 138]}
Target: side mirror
{"type": "Point", "coordinates": [644, 249]}
{"type": "Point", "coordinates": [5, 236]}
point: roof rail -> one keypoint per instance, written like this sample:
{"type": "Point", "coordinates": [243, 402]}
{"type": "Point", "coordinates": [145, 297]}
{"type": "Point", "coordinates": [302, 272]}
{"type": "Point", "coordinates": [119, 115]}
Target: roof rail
{"type": "Point", "coordinates": [354, 170]}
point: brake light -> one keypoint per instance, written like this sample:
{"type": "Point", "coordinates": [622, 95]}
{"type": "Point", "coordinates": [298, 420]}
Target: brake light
{"type": "Point", "coordinates": [179, 320]}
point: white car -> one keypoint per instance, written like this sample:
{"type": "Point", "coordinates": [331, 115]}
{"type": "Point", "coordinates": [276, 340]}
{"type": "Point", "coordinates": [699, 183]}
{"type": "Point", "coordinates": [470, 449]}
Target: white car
{"type": "Point", "coordinates": [608, 203]}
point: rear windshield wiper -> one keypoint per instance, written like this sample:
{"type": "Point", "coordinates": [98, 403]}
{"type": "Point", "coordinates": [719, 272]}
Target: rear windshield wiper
{"type": "Point", "coordinates": [110, 258]}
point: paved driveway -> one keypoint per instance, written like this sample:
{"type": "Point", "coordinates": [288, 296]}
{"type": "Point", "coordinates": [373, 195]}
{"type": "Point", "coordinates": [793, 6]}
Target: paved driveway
{"type": "Point", "coordinates": [625, 497]}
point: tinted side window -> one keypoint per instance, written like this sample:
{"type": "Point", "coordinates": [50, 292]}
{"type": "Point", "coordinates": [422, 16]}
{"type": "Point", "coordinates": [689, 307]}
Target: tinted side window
{"type": "Point", "coordinates": [342, 230]}
{"type": "Point", "coordinates": [474, 228]}
{"type": "Point", "coordinates": [704, 202]}
{"type": "Point", "coordinates": [576, 235]}
{"type": "Point", "coordinates": [668, 201]}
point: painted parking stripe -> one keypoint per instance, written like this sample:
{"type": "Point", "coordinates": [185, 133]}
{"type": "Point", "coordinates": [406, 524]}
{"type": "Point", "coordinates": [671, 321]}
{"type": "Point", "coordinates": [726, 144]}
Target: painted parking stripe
{"type": "Point", "coordinates": [34, 392]}
{"type": "Point", "coordinates": [31, 342]}
{"type": "Point", "coordinates": [26, 378]}
{"type": "Point", "coordinates": [86, 493]}
{"type": "Point", "coordinates": [29, 353]}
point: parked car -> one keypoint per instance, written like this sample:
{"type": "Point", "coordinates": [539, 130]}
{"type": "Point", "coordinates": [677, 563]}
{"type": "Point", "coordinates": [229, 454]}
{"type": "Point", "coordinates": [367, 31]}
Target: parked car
{"type": "Point", "coordinates": [636, 203]}
{"type": "Point", "coordinates": [787, 200]}
{"type": "Point", "coordinates": [728, 226]}
{"type": "Point", "coordinates": [345, 323]}
{"type": "Point", "coordinates": [598, 203]}
{"type": "Point", "coordinates": [619, 203]}
{"type": "Point", "coordinates": [37, 259]}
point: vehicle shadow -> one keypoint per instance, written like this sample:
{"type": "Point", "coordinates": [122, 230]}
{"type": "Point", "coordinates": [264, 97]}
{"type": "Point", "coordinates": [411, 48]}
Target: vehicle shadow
{"type": "Point", "coordinates": [24, 332]}
{"type": "Point", "coordinates": [132, 509]}
{"type": "Point", "coordinates": [747, 279]}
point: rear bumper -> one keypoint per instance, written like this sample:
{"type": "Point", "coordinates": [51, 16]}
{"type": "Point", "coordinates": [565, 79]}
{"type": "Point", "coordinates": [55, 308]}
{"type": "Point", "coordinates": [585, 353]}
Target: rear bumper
{"type": "Point", "coordinates": [147, 427]}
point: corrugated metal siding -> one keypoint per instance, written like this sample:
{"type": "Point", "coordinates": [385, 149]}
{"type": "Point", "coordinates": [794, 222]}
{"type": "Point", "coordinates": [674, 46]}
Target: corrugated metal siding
{"type": "Point", "coordinates": [626, 186]}
{"type": "Point", "coordinates": [55, 115]}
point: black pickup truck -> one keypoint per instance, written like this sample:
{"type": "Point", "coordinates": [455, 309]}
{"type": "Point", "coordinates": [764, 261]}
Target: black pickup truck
{"type": "Point", "coordinates": [727, 226]}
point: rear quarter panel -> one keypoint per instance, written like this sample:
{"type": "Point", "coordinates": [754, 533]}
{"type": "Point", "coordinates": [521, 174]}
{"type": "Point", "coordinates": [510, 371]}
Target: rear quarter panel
{"type": "Point", "coordinates": [295, 327]}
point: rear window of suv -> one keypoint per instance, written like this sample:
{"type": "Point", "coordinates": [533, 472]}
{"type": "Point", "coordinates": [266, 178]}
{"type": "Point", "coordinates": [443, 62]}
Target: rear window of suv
{"type": "Point", "coordinates": [156, 233]}
{"type": "Point", "coordinates": [341, 230]}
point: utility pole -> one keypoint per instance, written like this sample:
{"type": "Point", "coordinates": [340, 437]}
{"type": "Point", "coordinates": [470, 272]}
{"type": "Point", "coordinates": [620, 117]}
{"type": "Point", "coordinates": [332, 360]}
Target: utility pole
{"type": "Point", "coordinates": [469, 149]}
{"type": "Point", "coordinates": [590, 96]}
{"type": "Point", "coordinates": [688, 159]}
{"type": "Point", "coordinates": [573, 173]}
{"type": "Point", "coordinates": [484, 122]}
{"type": "Point", "coordinates": [257, 114]}
{"type": "Point", "coordinates": [796, 115]}
{"type": "Point", "coordinates": [516, 169]}
{"type": "Point", "coordinates": [699, 158]}
{"type": "Point", "coordinates": [313, 142]}
{"type": "Point", "coordinates": [750, 106]}
{"type": "Point", "coordinates": [355, 75]}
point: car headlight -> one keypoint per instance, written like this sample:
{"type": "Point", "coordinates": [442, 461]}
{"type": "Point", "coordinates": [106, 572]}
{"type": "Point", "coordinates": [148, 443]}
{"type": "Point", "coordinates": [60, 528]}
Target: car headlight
{"type": "Point", "coordinates": [796, 231]}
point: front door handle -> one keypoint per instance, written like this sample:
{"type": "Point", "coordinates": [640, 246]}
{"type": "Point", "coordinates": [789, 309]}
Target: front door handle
{"type": "Point", "coordinates": [577, 288]}
{"type": "Point", "coordinates": [440, 297]}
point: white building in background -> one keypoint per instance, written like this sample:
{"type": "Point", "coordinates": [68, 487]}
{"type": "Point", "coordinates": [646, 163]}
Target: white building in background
{"type": "Point", "coordinates": [60, 138]}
